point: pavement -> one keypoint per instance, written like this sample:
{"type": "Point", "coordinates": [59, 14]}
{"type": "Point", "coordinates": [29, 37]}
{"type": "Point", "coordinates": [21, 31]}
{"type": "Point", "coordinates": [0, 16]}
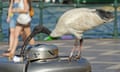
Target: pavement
{"type": "Point", "coordinates": [102, 54]}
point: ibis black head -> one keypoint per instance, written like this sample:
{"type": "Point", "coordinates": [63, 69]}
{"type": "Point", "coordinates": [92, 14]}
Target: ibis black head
{"type": "Point", "coordinates": [106, 15]}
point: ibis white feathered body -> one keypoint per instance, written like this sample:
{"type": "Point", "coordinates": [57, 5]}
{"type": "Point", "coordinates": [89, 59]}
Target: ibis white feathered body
{"type": "Point", "coordinates": [77, 21]}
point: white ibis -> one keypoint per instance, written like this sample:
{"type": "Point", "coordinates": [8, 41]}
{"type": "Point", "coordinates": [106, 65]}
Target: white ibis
{"type": "Point", "coordinates": [78, 20]}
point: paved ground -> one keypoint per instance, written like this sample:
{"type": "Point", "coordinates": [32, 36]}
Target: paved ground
{"type": "Point", "coordinates": [103, 54]}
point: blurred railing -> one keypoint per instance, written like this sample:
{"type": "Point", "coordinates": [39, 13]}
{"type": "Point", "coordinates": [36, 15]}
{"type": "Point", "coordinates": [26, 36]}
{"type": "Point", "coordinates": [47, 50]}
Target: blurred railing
{"type": "Point", "coordinates": [41, 5]}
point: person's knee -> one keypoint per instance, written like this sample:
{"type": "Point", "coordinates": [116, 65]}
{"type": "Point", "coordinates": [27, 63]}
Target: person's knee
{"type": "Point", "coordinates": [12, 31]}
{"type": "Point", "coordinates": [17, 34]}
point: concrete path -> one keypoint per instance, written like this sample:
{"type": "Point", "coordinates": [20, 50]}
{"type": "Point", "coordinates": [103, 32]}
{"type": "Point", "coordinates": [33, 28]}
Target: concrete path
{"type": "Point", "coordinates": [103, 54]}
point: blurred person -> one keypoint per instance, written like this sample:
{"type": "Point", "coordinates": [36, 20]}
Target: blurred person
{"type": "Point", "coordinates": [15, 28]}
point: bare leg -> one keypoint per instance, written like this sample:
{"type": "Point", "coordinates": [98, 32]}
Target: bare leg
{"type": "Point", "coordinates": [73, 49]}
{"type": "Point", "coordinates": [17, 32]}
{"type": "Point", "coordinates": [27, 31]}
{"type": "Point", "coordinates": [23, 35]}
{"type": "Point", "coordinates": [14, 44]}
{"type": "Point", "coordinates": [79, 49]}
{"type": "Point", "coordinates": [11, 39]}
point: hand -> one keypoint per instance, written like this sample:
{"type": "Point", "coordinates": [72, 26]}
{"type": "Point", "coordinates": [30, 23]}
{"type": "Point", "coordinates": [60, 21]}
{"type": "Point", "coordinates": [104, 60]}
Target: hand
{"type": "Point", "coordinates": [13, 10]}
{"type": "Point", "coordinates": [8, 19]}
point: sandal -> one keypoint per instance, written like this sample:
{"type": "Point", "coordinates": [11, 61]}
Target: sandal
{"type": "Point", "coordinates": [78, 57]}
{"type": "Point", "coordinates": [9, 55]}
{"type": "Point", "coordinates": [6, 51]}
